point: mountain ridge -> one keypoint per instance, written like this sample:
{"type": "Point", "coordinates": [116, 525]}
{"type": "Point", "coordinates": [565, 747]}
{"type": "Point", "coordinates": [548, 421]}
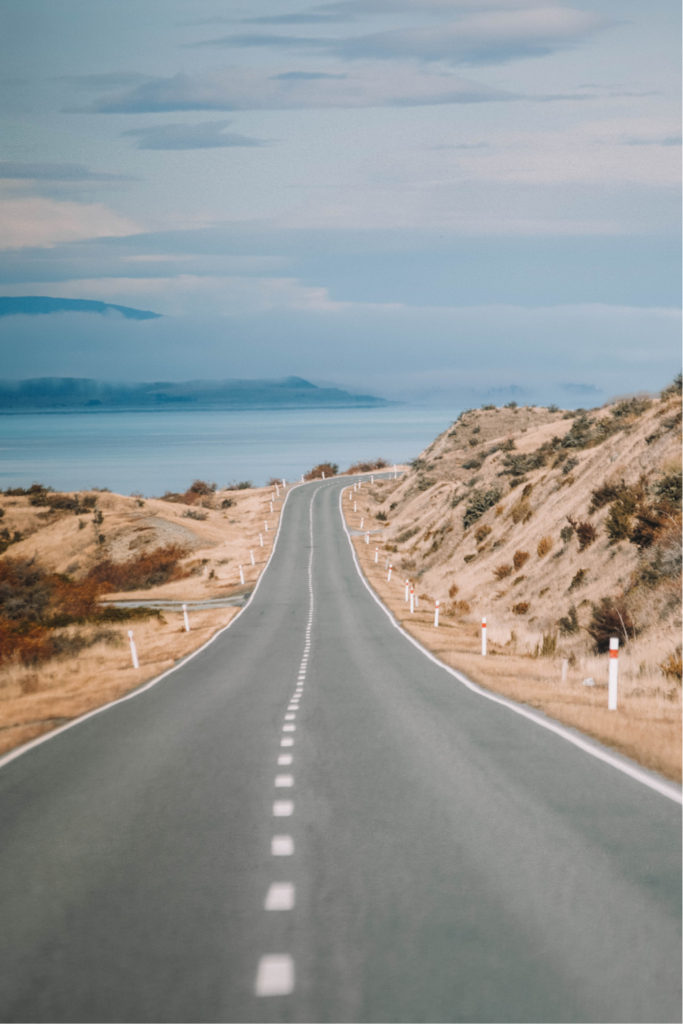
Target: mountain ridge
{"type": "Point", "coordinates": [84, 394]}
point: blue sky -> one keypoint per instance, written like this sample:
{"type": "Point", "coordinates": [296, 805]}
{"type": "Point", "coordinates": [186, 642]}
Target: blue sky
{"type": "Point", "coordinates": [429, 199]}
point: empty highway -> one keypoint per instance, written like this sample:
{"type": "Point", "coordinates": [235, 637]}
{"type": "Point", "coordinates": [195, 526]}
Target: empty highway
{"type": "Point", "coordinates": [310, 820]}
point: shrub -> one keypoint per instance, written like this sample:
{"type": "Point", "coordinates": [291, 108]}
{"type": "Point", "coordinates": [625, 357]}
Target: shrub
{"type": "Point", "coordinates": [328, 468]}
{"type": "Point", "coordinates": [367, 467]}
{"type": "Point", "coordinates": [578, 580]}
{"type": "Point", "coordinates": [585, 532]}
{"type": "Point", "coordinates": [193, 513]}
{"type": "Point", "coordinates": [453, 589]}
{"type": "Point", "coordinates": [503, 570]}
{"type": "Point", "coordinates": [519, 558]}
{"type": "Point", "coordinates": [227, 502]}
{"type": "Point", "coordinates": [672, 390]}
{"type": "Point", "coordinates": [547, 646]}
{"type": "Point", "coordinates": [482, 533]}
{"type": "Point", "coordinates": [521, 608]}
{"type": "Point", "coordinates": [566, 534]}
{"type": "Point", "coordinates": [544, 546]}
{"type": "Point", "coordinates": [569, 623]}
{"type": "Point", "coordinates": [606, 494]}
{"type": "Point", "coordinates": [672, 666]}
{"type": "Point", "coordinates": [480, 502]}
{"type": "Point", "coordinates": [381, 516]}
{"type": "Point", "coordinates": [611, 617]}
{"type": "Point", "coordinates": [407, 534]}
{"type": "Point", "coordinates": [148, 569]}
{"type": "Point", "coordinates": [521, 511]}
{"type": "Point", "coordinates": [668, 491]}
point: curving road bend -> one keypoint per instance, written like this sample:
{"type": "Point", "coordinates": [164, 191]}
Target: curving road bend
{"type": "Point", "coordinates": [311, 821]}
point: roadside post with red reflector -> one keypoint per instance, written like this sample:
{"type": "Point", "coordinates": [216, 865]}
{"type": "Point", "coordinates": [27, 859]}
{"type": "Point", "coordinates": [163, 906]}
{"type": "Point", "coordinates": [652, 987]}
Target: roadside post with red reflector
{"type": "Point", "coordinates": [613, 674]}
{"type": "Point", "coordinates": [483, 635]}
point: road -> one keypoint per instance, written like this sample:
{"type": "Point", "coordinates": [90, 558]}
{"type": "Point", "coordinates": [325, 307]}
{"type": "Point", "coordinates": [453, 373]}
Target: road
{"type": "Point", "coordinates": [311, 821]}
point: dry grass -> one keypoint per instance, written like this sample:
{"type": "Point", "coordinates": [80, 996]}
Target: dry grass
{"type": "Point", "coordinates": [36, 699]}
{"type": "Point", "coordinates": [647, 724]}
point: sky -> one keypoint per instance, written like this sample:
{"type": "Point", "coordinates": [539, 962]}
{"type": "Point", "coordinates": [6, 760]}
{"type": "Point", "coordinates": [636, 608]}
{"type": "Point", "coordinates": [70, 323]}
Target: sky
{"type": "Point", "coordinates": [429, 200]}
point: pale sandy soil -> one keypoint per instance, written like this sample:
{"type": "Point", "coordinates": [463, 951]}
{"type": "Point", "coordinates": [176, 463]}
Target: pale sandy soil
{"type": "Point", "coordinates": [36, 700]}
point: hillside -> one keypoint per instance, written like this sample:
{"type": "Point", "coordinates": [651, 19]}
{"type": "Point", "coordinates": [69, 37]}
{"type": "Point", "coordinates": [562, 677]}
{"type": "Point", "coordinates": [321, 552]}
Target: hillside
{"type": "Point", "coordinates": [563, 529]}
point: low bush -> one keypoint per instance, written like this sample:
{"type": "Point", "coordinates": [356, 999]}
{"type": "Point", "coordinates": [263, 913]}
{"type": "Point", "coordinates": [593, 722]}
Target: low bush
{"type": "Point", "coordinates": [482, 533]}
{"type": "Point", "coordinates": [327, 468]}
{"type": "Point", "coordinates": [367, 467]}
{"type": "Point", "coordinates": [578, 580]}
{"type": "Point", "coordinates": [521, 608]}
{"type": "Point", "coordinates": [569, 623]}
{"type": "Point", "coordinates": [480, 501]}
{"type": "Point", "coordinates": [519, 558]}
{"type": "Point", "coordinates": [672, 666]}
{"type": "Point", "coordinates": [544, 546]}
{"type": "Point", "coordinates": [503, 570]}
{"type": "Point", "coordinates": [585, 532]}
{"type": "Point", "coordinates": [611, 618]}
{"type": "Point", "coordinates": [148, 569]}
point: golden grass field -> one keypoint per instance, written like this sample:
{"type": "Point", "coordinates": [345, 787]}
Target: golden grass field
{"type": "Point", "coordinates": [37, 699]}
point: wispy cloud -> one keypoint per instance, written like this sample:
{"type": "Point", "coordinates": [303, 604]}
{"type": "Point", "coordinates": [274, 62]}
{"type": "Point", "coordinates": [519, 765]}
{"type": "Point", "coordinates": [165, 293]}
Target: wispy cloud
{"type": "Point", "coordinates": [207, 135]}
{"type": "Point", "coordinates": [19, 170]}
{"type": "Point", "coordinates": [246, 89]}
{"type": "Point", "coordinates": [38, 222]}
{"type": "Point", "coordinates": [490, 37]}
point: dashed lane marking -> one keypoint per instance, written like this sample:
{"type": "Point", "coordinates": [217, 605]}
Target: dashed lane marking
{"type": "Point", "coordinates": [283, 781]}
{"type": "Point", "coordinates": [283, 808]}
{"type": "Point", "coordinates": [280, 896]}
{"type": "Point", "coordinates": [275, 975]}
{"type": "Point", "coordinates": [282, 846]}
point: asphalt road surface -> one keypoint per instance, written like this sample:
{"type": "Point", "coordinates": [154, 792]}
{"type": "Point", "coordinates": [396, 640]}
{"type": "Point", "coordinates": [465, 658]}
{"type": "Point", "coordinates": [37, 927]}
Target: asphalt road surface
{"type": "Point", "coordinates": [312, 821]}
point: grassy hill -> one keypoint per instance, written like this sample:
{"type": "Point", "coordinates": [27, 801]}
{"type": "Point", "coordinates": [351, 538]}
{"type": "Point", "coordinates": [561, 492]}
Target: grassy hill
{"type": "Point", "coordinates": [564, 529]}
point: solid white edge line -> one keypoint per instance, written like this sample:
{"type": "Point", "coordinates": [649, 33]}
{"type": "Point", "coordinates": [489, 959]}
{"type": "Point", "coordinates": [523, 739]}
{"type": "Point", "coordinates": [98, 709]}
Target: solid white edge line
{"type": "Point", "coordinates": [661, 786]}
{"type": "Point", "coordinates": [12, 755]}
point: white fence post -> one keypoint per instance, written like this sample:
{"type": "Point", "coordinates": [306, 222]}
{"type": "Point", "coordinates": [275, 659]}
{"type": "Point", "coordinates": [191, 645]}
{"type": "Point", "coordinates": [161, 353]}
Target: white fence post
{"type": "Point", "coordinates": [133, 650]}
{"type": "Point", "coordinates": [436, 613]}
{"type": "Point", "coordinates": [185, 619]}
{"type": "Point", "coordinates": [613, 673]}
{"type": "Point", "coordinates": [483, 635]}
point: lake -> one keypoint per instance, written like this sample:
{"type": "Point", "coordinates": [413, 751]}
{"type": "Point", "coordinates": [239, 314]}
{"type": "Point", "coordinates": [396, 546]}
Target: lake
{"type": "Point", "coordinates": [152, 452]}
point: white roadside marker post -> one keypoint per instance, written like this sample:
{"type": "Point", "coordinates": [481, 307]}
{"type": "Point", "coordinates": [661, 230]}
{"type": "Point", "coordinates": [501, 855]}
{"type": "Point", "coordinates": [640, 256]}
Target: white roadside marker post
{"type": "Point", "coordinates": [376, 555]}
{"type": "Point", "coordinates": [389, 573]}
{"type": "Point", "coordinates": [277, 491]}
{"type": "Point", "coordinates": [260, 539]}
{"type": "Point", "coordinates": [367, 538]}
{"type": "Point", "coordinates": [271, 508]}
{"type": "Point", "coordinates": [483, 636]}
{"type": "Point", "coordinates": [241, 575]}
{"type": "Point", "coordinates": [284, 482]}
{"type": "Point", "coordinates": [185, 619]}
{"type": "Point", "coordinates": [362, 520]}
{"type": "Point", "coordinates": [253, 560]}
{"type": "Point", "coordinates": [613, 674]}
{"type": "Point", "coordinates": [412, 599]}
{"type": "Point", "coordinates": [436, 613]}
{"type": "Point", "coordinates": [323, 474]}
{"type": "Point", "coordinates": [355, 507]}
{"type": "Point", "coordinates": [407, 591]}
{"type": "Point", "coordinates": [265, 527]}
{"type": "Point", "coordinates": [133, 650]}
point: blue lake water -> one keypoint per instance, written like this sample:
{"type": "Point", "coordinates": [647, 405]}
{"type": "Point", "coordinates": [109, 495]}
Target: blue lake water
{"type": "Point", "coordinates": [152, 452]}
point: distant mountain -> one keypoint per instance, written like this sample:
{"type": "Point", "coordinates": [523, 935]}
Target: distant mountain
{"type": "Point", "coordinates": [40, 305]}
{"type": "Point", "coordinates": [77, 393]}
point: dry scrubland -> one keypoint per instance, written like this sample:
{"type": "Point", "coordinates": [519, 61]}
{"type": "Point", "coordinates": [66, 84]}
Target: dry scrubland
{"type": "Point", "coordinates": [62, 652]}
{"type": "Point", "coordinates": [563, 528]}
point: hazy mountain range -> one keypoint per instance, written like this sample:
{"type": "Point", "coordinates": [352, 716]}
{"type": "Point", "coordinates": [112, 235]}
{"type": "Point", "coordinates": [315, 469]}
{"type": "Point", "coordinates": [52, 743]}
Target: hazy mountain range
{"type": "Point", "coordinates": [76, 393]}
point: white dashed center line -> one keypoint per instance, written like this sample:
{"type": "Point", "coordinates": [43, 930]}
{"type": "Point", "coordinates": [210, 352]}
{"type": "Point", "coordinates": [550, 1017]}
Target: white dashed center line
{"type": "Point", "coordinates": [286, 741]}
{"type": "Point", "coordinates": [285, 759]}
{"type": "Point", "coordinates": [275, 975]}
{"type": "Point", "coordinates": [282, 781]}
{"type": "Point", "coordinates": [283, 808]}
{"type": "Point", "coordinates": [282, 846]}
{"type": "Point", "coordinates": [280, 896]}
